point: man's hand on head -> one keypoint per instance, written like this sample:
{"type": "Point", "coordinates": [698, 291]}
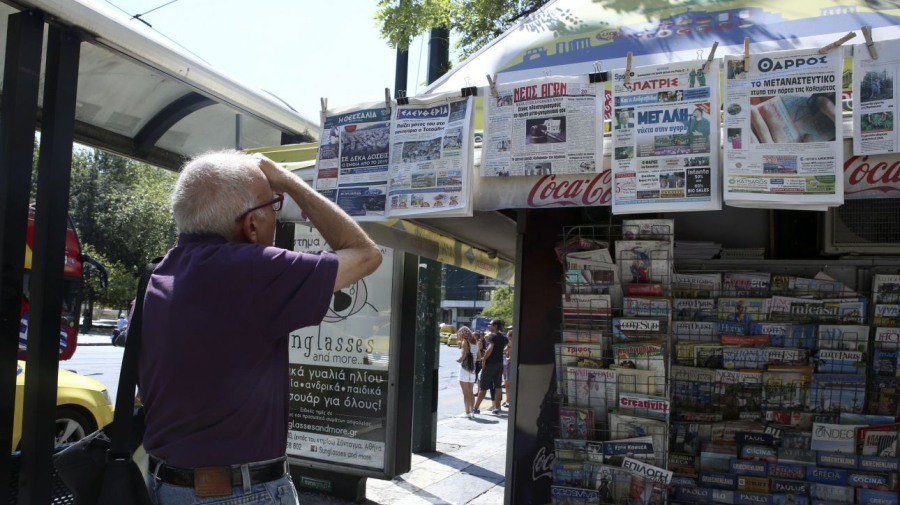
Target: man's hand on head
{"type": "Point", "coordinates": [278, 176]}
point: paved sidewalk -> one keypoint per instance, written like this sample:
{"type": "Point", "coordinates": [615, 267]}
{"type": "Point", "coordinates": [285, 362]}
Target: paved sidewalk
{"type": "Point", "coordinates": [468, 468]}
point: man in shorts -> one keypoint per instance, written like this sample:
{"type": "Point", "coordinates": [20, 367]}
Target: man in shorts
{"type": "Point", "coordinates": [492, 367]}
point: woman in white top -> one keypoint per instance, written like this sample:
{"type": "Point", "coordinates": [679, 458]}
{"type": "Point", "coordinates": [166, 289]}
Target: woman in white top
{"type": "Point", "coordinates": [467, 368]}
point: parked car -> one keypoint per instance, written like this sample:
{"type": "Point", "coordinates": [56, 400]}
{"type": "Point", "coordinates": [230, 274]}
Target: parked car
{"type": "Point", "coordinates": [447, 332]}
{"type": "Point", "coordinates": [82, 406]}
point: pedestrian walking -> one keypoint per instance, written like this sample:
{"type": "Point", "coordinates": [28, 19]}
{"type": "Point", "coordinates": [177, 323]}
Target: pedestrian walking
{"type": "Point", "coordinates": [492, 366]}
{"type": "Point", "coordinates": [467, 368]}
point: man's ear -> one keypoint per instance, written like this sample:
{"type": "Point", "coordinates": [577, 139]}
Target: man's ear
{"type": "Point", "coordinates": [250, 227]}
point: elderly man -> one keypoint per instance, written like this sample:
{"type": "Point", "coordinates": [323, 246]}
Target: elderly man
{"type": "Point", "coordinates": [214, 356]}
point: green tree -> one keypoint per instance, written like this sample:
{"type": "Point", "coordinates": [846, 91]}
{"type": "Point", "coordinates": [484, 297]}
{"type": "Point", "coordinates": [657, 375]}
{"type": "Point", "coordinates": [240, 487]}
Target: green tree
{"type": "Point", "coordinates": [501, 305]}
{"type": "Point", "coordinates": [121, 285]}
{"type": "Point", "coordinates": [474, 23]}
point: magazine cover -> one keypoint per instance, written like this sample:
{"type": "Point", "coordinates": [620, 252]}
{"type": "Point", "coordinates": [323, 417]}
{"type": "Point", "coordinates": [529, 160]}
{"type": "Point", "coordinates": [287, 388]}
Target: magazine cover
{"type": "Point", "coordinates": [648, 229]}
{"type": "Point", "coordinates": [834, 437]}
{"type": "Point", "coordinates": [693, 286]}
{"type": "Point", "coordinates": [562, 495]}
{"type": "Point", "coordinates": [576, 423]}
{"type": "Point", "coordinates": [632, 330]}
{"type": "Point", "coordinates": [584, 337]}
{"type": "Point", "coordinates": [568, 473]}
{"type": "Point", "coordinates": [567, 355]}
{"type": "Point", "coordinates": [844, 311]}
{"type": "Point", "coordinates": [788, 285]}
{"type": "Point", "coordinates": [592, 388]}
{"type": "Point", "coordinates": [692, 386]}
{"type": "Point", "coordinates": [785, 308]}
{"type": "Point", "coordinates": [715, 456]}
{"type": "Point", "coordinates": [885, 396]}
{"type": "Point", "coordinates": [746, 284]}
{"type": "Point", "coordinates": [611, 482]}
{"type": "Point", "coordinates": [632, 380]}
{"type": "Point", "coordinates": [887, 314]}
{"type": "Point", "coordinates": [849, 362]}
{"type": "Point", "coordinates": [880, 443]}
{"type": "Point", "coordinates": [644, 261]}
{"type": "Point", "coordinates": [623, 426]}
{"type": "Point", "coordinates": [736, 358]}
{"type": "Point", "coordinates": [638, 448]}
{"type": "Point", "coordinates": [695, 331]}
{"type": "Point", "coordinates": [648, 355]}
{"type": "Point", "coordinates": [788, 356]}
{"type": "Point", "coordinates": [654, 407]}
{"type": "Point", "coordinates": [570, 449]}
{"type": "Point", "coordinates": [684, 351]}
{"type": "Point", "coordinates": [695, 309]}
{"type": "Point", "coordinates": [843, 337]}
{"type": "Point", "coordinates": [837, 393]}
{"type": "Point", "coordinates": [886, 289]}
{"type": "Point", "coordinates": [635, 306]}
{"type": "Point", "coordinates": [646, 480]}
{"type": "Point", "coordinates": [886, 363]}
{"type": "Point", "coordinates": [777, 332]}
{"type": "Point", "coordinates": [684, 464]}
{"type": "Point", "coordinates": [784, 390]}
{"type": "Point", "coordinates": [708, 356]}
{"type": "Point", "coordinates": [688, 437]}
{"type": "Point", "coordinates": [745, 311]}
{"type": "Point", "coordinates": [887, 338]}
{"type": "Point", "coordinates": [831, 493]}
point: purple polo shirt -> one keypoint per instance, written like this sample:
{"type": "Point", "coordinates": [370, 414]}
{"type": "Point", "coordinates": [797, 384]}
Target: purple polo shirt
{"type": "Point", "coordinates": [213, 372]}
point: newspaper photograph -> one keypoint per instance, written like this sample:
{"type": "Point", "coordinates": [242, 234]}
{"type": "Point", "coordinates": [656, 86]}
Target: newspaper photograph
{"type": "Point", "coordinates": [665, 139]}
{"type": "Point", "coordinates": [874, 98]}
{"type": "Point", "coordinates": [352, 163]}
{"type": "Point", "coordinates": [431, 161]}
{"type": "Point", "coordinates": [546, 126]}
{"type": "Point", "coordinates": [783, 143]}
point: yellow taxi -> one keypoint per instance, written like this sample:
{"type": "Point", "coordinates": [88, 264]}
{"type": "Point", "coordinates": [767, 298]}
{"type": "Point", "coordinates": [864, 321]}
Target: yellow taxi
{"type": "Point", "coordinates": [448, 334]}
{"type": "Point", "coordinates": [82, 406]}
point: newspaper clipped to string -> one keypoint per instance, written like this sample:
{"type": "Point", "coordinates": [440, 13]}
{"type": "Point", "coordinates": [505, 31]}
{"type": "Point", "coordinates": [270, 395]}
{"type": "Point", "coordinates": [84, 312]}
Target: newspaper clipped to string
{"type": "Point", "coordinates": [665, 139]}
{"type": "Point", "coordinates": [783, 144]}
{"type": "Point", "coordinates": [875, 99]}
{"type": "Point", "coordinates": [431, 157]}
{"type": "Point", "coordinates": [379, 160]}
{"type": "Point", "coordinates": [352, 164]}
{"type": "Point", "coordinates": [546, 126]}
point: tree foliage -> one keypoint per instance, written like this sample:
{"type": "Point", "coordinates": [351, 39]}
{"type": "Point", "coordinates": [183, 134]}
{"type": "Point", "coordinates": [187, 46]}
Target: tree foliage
{"type": "Point", "coordinates": [474, 23]}
{"type": "Point", "coordinates": [501, 305]}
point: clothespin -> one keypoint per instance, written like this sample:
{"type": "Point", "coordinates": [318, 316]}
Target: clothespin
{"type": "Point", "coordinates": [712, 54]}
{"type": "Point", "coordinates": [746, 54]}
{"type": "Point", "coordinates": [402, 99]}
{"type": "Point", "coordinates": [547, 73]}
{"type": "Point", "coordinates": [324, 102]}
{"type": "Point", "coordinates": [837, 43]}
{"type": "Point", "coordinates": [598, 76]}
{"type": "Point", "coordinates": [387, 100]}
{"type": "Point", "coordinates": [867, 33]}
{"type": "Point", "coordinates": [469, 90]}
{"type": "Point", "coordinates": [628, 69]}
{"type": "Point", "coordinates": [493, 84]}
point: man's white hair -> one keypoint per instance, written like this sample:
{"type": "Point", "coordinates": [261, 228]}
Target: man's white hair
{"type": "Point", "coordinates": [212, 190]}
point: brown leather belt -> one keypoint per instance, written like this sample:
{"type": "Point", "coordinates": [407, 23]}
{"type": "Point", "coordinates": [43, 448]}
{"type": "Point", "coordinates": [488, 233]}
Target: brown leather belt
{"type": "Point", "coordinates": [184, 477]}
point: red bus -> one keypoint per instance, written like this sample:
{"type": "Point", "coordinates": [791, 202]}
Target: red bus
{"type": "Point", "coordinates": [73, 271]}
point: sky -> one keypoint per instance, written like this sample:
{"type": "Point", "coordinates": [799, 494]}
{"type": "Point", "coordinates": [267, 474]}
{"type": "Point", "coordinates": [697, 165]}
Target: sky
{"type": "Point", "coordinates": [299, 50]}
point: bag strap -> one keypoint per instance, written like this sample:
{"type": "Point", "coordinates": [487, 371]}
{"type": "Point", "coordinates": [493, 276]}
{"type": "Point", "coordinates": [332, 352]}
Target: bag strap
{"type": "Point", "coordinates": [123, 420]}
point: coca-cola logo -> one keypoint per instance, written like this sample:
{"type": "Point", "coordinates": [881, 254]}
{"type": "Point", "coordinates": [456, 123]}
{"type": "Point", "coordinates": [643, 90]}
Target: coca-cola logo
{"type": "Point", "coordinates": [549, 192]}
{"type": "Point", "coordinates": [542, 466]}
{"type": "Point", "coordinates": [864, 175]}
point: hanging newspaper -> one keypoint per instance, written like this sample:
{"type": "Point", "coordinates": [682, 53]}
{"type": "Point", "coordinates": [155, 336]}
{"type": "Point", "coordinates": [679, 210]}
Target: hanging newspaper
{"type": "Point", "coordinates": [665, 146]}
{"type": "Point", "coordinates": [431, 158]}
{"type": "Point", "coordinates": [783, 147]}
{"type": "Point", "coordinates": [552, 125]}
{"type": "Point", "coordinates": [874, 100]}
{"type": "Point", "coordinates": [352, 165]}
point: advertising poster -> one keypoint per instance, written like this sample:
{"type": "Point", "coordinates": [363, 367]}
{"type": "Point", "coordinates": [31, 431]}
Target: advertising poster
{"type": "Point", "coordinates": [874, 98]}
{"type": "Point", "coordinates": [545, 126]}
{"type": "Point", "coordinates": [339, 371]}
{"type": "Point", "coordinates": [352, 165]}
{"type": "Point", "coordinates": [431, 157]}
{"type": "Point", "coordinates": [783, 143]}
{"type": "Point", "coordinates": [665, 139]}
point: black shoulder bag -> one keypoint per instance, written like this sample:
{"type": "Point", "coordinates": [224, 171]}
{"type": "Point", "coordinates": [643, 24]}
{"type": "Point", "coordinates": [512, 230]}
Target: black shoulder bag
{"type": "Point", "coordinates": [99, 469]}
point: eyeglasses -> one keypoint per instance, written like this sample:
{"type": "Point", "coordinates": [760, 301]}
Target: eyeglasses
{"type": "Point", "coordinates": [275, 203]}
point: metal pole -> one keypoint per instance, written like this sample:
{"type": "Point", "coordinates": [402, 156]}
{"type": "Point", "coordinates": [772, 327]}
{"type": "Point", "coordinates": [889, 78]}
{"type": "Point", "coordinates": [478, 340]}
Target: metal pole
{"type": "Point", "coordinates": [237, 132]}
{"type": "Point", "coordinates": [401, 73]}
{"type": "Point", "coordinates": [438, 53]}
{"type": "Point", "coordinates": [54, 173]}
{"type": "Point", "coordinates": [18, 119]}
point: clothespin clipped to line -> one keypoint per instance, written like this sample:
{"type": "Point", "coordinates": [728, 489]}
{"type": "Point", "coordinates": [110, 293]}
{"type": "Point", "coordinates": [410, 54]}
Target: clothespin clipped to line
{"type": "Point", "coordinates": [493, 85]}
{"type": "Point", "coordinates": [324, 102]}
{"type": "Point", "coordinates": [628, 69]}
{"type": "Point", "coordinates": [469, 90]}
{"type": "Point", "coordinates": [746, 54]}
{"type": "Point", "coordinates": [387, 100]}
{"type": "Point", "coordinates": [597, 76]}
{"type": "Point", "coordinates": [402, 99]}
{"type": "Point", "coordinates": [870, 45]}
{"type": "Point", "coordinates": [837, 43]}
{"type": "Point", "coordinates": [712, 54]}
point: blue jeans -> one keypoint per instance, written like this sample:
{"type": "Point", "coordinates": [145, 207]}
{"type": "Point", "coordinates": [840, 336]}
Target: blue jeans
{"type": "Point", "coordinates": [277, 492]}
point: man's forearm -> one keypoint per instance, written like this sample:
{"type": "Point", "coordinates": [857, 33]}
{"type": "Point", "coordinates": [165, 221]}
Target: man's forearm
{"type": "Point", "coordinates": [336, 227]}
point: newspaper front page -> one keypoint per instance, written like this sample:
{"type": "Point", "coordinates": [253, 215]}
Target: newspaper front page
{"type": "Point", "coordinates": [352, 164]}
{"type": "Point", "coordinates": [782, 144]}
{"type": "Point", "coordinates": [874, 98]}
{"type": "Point", "coordinates": [545, 126]}
{"type": "Point", "coordinates": [431, 157]}
{"type": "Point", "coordinates": [666, 139]}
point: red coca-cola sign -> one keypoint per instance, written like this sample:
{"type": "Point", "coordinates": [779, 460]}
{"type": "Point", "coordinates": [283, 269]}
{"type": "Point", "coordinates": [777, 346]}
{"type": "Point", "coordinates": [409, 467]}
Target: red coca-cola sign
{"type": "Point", "coordinates": [590, 190]}
{"type": "Point", "coordinates": [876, 176]}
